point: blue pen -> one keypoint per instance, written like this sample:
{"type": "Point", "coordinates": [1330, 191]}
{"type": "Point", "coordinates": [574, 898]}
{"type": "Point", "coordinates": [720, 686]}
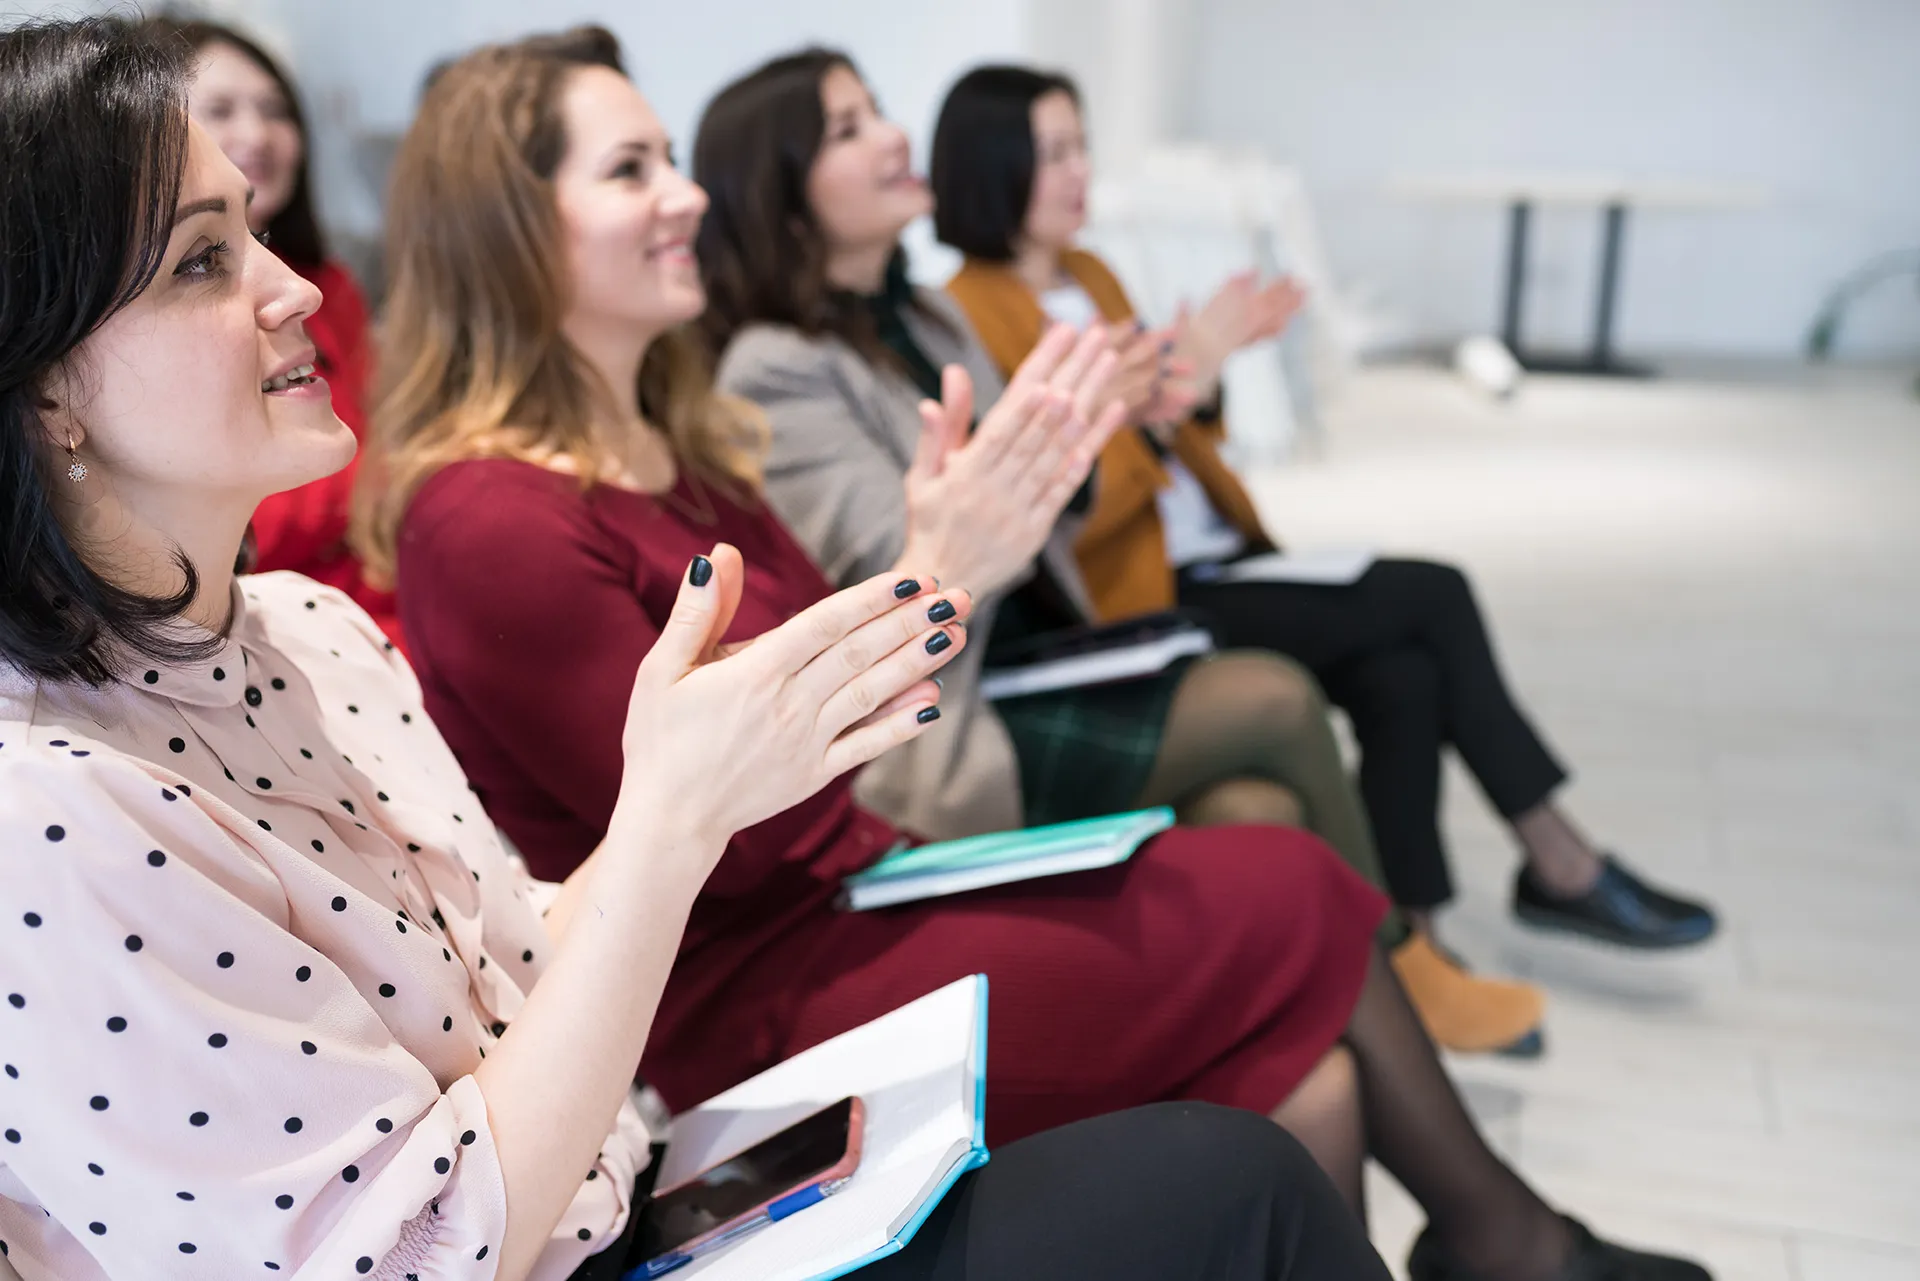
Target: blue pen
{"type": "Point", "coordinates": [785, 1207]}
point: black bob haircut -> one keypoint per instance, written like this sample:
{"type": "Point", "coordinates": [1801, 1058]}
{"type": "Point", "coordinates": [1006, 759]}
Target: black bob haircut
{"type": "Point", "coordinates": [93, 141]}
{"type": "Point", "coordinates": [983, 157]}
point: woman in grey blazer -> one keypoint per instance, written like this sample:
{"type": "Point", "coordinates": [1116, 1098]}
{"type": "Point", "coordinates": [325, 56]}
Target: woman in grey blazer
{"type": "Point", "coordinates": [857, 371]}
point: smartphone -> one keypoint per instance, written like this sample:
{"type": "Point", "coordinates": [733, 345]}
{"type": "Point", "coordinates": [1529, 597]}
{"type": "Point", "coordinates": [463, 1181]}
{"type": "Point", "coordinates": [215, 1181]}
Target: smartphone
{"type": "Point", "coordinates": [821, 1148]}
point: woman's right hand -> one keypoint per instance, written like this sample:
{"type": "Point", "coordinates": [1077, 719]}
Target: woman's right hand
{"type": "Point", "coordinates": [719, 737]}
{"type": "Point", "coordinates": [980, 506]}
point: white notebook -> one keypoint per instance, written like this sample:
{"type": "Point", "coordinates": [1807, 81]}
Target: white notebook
{"type": "Point", "coordinates": [1099, 667]}
{"type": "Point", "coordinates": [922, 1073]}
{"type": "Point", "coordinates": [1316, 566]}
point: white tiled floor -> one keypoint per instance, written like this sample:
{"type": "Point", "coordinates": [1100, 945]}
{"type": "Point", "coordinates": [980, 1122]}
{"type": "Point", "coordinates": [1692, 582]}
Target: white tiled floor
{"type": "Point", "coordinates": [1707, 590]}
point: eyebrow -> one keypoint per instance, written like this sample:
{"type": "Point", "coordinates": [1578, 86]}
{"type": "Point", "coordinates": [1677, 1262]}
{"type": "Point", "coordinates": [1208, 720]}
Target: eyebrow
{"type": "Point", "coordinates": [206, 204]}
{"type": "Point", "coordinates": [210, 204]}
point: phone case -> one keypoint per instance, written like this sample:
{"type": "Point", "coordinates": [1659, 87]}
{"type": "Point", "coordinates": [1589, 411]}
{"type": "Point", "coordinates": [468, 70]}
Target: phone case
{"type": "Point", "coordinates": [842, 1169]}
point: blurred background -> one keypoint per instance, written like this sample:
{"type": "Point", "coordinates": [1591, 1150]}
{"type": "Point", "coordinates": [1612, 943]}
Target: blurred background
{"type": "Point", "coordinates": [1704, 580]}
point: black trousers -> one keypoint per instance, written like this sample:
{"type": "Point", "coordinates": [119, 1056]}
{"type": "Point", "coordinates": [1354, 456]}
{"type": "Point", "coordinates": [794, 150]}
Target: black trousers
{"type": "Point", "coordinates": [1405, 652]}
{"type": "Point", "coordinates": [1172, 1192]}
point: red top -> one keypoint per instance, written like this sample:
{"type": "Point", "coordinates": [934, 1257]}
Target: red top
{"type": "Point", "coordinates": [511, 569]}
{"type": "Point", "coordinates": [305, 529]}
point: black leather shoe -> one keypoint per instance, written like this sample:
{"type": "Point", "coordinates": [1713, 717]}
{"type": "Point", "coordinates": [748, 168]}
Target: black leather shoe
{"type": "Point", "coordinates": [1592, 1260]}
{"type": "Point", "coordinates": [1620, 908]}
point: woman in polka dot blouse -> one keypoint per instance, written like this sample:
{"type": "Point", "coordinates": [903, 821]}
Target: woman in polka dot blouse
{"type": "Point", "coordinates": [276, 1000]}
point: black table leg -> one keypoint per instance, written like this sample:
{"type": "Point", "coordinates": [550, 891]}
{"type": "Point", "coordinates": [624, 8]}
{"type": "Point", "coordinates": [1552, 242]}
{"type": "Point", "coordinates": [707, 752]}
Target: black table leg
{"type": "Point", "coordinates": [1599, 358]}
{"type": "Point", "coordinates": [1517, 218]}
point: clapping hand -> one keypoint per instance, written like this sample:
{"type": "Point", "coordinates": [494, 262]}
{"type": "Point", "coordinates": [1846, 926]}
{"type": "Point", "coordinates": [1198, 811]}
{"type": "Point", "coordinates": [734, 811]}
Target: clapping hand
{"type": "Point", "coordinates": [981, 503]}
{"type": "Point", "coordinates": [1240, 313]}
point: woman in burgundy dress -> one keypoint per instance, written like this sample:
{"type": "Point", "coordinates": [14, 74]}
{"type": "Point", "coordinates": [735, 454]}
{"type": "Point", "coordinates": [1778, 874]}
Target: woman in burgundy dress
{"type": "Point", "coordinates": [552, 457]}
{"type": "Point", "coordinates": [247, 105]}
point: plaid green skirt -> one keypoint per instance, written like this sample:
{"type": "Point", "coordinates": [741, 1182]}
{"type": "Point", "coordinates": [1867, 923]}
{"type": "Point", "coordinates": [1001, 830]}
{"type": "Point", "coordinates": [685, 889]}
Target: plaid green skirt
{"type": "Point", "coordinates": [1086, 752]}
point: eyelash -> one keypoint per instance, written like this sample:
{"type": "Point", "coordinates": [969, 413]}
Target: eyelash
{"type": "Point", "coordinates": [212, 256]}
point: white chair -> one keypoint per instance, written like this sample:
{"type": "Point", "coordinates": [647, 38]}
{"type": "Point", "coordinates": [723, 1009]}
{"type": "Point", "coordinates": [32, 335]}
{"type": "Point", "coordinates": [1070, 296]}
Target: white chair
{"type": "Point", "coordinates": [1188, 217]}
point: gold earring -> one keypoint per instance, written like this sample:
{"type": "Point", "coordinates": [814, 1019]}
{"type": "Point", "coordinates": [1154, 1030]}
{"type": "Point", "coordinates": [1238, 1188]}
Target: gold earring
{"type": "Point", "coordinates": [76, 470]}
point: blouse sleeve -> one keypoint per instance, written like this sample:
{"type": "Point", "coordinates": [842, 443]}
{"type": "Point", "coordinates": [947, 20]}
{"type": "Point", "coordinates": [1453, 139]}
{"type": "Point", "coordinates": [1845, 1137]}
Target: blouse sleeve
{"type": "Point", "coordinates": [184, 1075]}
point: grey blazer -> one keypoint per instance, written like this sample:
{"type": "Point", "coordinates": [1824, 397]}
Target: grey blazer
{"type": "Point", "coordinates": [844, 435]}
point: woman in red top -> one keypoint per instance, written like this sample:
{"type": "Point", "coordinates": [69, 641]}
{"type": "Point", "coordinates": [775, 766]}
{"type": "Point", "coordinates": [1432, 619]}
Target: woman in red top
{"type": "Point", "coordinates": [553, 455]}
{"type": "Point", "coordinates": [245, 102]}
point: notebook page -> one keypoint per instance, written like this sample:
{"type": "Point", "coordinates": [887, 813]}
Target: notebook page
{"type": "Point", "coordinates": [1316, 566]}
{"type": "Point", "coordinates": [913, 1070]}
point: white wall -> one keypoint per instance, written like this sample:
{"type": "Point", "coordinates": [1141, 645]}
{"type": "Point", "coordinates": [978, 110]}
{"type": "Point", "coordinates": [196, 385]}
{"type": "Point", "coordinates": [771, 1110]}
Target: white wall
{"type": "Point", "coordinates": [1817, 99]}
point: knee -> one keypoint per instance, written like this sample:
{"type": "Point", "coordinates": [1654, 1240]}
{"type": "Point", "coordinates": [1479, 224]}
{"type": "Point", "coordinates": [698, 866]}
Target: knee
{"type": "Point", "coordinates": [1209, 1143]}
{"type": "Point", "coordinates": [1272, 690]}
{"type": "Point", "coordinates": [1245, 800]}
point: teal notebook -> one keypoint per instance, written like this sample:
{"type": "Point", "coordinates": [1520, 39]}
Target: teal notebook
{"type": "Point", "coordinates": [1000, 858]}
{"type": "Point", "coordinates": [921, 1073]}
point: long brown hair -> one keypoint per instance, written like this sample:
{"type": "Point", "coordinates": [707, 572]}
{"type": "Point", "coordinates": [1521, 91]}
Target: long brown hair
{"type": "Point", "coordinates": [763, 257]}
{"type": "Point", "coordinates": [473, 360]}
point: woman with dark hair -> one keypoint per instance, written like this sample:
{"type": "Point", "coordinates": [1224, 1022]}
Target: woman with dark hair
{"type": "Point", "coordinates": [247, 105]}
{"type": "Point", "coordinates": [801, 159]}
{"type": "Point", "coordinates": [809, 301]}
{"type": "Point", "coordinates": [272, 1011]}
{"type": "Point", "coordinates": [1404, 650]}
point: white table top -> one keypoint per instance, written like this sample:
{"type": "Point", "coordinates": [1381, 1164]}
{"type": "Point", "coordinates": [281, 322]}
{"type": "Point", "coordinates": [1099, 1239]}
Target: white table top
{"type": "Point", "coordinates": [1577, 189]}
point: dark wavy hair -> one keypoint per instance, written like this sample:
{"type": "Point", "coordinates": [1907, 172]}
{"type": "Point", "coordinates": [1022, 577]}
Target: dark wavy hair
{"type": "Point", "coordinates": [762, 255]}
{"type": "Point", "coordinates": [983, 157]}
{"type": "Point", "coordinates": [294, 232]}
{"type": "Point", "coordinates": [93, 141]}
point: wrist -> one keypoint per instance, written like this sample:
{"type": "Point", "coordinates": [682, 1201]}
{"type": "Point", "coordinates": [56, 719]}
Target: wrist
{"type": "Point", "coordinates": [663, 830]}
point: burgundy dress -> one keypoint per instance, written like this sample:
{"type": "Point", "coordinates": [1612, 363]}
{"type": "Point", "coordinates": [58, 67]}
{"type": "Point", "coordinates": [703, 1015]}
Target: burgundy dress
{"type": "Point", "coordinates": [1218, 965]}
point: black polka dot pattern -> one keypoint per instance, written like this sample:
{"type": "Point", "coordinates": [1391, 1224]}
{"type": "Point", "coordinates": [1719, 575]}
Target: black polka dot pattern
{"type": "Point", "coordinates": [297, 771]}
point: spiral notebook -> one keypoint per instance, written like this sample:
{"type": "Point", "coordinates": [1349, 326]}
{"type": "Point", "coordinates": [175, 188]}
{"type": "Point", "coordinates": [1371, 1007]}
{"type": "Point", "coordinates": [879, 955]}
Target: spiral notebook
{"type": "Point", "coordinates": [921, 1071]}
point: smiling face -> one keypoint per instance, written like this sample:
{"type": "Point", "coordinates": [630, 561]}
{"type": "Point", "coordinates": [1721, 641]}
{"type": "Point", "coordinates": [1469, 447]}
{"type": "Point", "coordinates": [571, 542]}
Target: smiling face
{"type": "Point", "coordinates": [628, 216]}
{"type": "Point", "coordinates": [862, 188]}
{"type": "Point", "coordinates": [245, 113]}
{"type": "Point", "coordinates": [1057, 209]}
{"type": "Point", "coordinates": [183, 398]}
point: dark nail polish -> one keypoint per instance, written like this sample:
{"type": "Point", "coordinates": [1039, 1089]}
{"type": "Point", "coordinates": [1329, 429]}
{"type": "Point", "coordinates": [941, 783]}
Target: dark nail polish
{"type": "Point", "coordinates": [939, 642]}
{"type": "Point", "coordinates": [927, 715]}
{"type": "Point", "coordinates": [938, 683]}
{"type": "Point", "coordinates": [903, 590]}
{"type": "Point", "coordinates": [700, 573]}
{"type": "Point", "coordinates": [942, 612]}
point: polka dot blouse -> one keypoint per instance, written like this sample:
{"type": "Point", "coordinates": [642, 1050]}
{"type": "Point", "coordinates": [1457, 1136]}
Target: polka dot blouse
{"type": "Point", "coordinates": [256, 934]}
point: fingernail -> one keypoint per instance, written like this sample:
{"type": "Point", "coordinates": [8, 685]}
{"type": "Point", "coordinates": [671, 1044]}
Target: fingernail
{"type": "Point", "coordinates": [927, 715]}
{"type": "Point", "coordinates": [938, 683]}
{"type": "Point", "coordinates": [700, 572]}
{"type": "Point", "coordinates": [942, 612]}
{"type": "Point", "coordinates": [906, 588]}
{"type": "Point", "coordinates": [1166, 348]}
{"type": "Point", "coordinates": [938, 642]}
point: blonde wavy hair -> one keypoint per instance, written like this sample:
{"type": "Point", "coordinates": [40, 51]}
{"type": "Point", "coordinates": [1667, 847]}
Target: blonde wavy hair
{"type": "Point", "coordinates": [473, 363]}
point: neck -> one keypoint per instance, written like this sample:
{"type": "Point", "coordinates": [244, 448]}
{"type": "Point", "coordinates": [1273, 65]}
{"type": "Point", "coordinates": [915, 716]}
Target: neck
{"type": "Point", "coordinates": [1038, 265]}
{"type": "Point", "coordinates": [616, 356]}
{"type": "Point", "coordinates": [861, 271]}
{"type": "Point", "coordinates": [641, 453]}
{"type": "Point", "coordinates": [147, 534]}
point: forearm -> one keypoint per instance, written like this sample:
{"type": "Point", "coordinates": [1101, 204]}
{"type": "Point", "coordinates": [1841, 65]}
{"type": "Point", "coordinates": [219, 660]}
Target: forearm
{"type": "Point", "coordinates": [558, 1076]}
{"type": "Point", "coordinates": [559, 913]}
